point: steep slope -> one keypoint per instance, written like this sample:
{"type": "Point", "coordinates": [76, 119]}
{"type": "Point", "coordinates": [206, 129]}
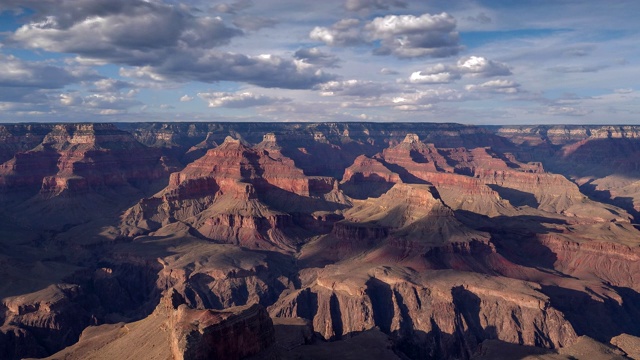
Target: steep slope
{"type": "Point", "coordinates": [226, 196]}
{"type": "Point", "coordinates": [77, 173]}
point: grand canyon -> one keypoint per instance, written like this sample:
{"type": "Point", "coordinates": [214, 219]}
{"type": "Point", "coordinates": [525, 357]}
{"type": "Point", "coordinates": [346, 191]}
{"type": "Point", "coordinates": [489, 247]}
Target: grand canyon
{"type": "Point", "coordinates": [319, 241]}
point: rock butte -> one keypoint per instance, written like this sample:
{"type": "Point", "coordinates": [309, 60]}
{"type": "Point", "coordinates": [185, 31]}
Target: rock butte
{"type": "Point", "coordinates": [319, 240]}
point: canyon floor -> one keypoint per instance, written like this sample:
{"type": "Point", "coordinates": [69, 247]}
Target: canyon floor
{"type": "Point", "coordinates": [319, 241]}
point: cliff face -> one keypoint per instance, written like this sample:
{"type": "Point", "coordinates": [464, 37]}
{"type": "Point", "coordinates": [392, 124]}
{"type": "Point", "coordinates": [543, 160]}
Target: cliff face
{"type": "Point", "coordinates": [434, 241]}
{"type": "Point", "coordinates": [230, 334]}
{"type": "Point", "coordinates": [82, 156]}
{"type": "Point", "coordinates": [240, 195]}
{"type": "Point", "coordinates": [443, 315]}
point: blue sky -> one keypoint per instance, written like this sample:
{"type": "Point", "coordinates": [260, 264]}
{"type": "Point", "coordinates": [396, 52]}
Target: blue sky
{"type": "Point", "coordinates": [474, 62]}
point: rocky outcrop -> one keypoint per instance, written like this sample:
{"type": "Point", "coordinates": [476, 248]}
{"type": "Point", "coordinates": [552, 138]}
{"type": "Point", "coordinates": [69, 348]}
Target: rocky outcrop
{"type": "Point", "coordinates": [43, 322]}
{"type": "Point", "coordinates": [615, 264]}
{"type": "Point", "coordinates": [175, 331]}
{"type": "Point", "coordinates": [439, 240]}
{"type": "Point", "coordinates": [416, 157]}
{"type": "Point", "coordinates": [233, 333]}
{"type": "Point", "coordinates": [225, 196]}
{"type": "Point", "coordinates": [367, 177]}
{"type": "Point", "coordinates": [222, 276]}
{"type": "Point", "coordinates": [435, 317]}
{"type": "Point", "coordinates": [81, 156]}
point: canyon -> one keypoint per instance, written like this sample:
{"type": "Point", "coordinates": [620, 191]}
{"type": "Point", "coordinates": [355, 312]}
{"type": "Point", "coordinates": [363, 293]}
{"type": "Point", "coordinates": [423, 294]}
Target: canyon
{"type": "Point", "coordinates": [319, 240]}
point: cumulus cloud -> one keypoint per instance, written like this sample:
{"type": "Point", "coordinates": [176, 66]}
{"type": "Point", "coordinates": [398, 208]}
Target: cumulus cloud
{"type": "Point", "coordinates": [186, 98]}
{"type": "Point", "coordinates": [160, 41]}
{"type": "Point", "coordinates": [131, 30]}
{"type": "Point", "coordinates": [475, 66]}
{"type": "Point", "coordinates": [268, 71]}
{"type": "Point", "coordinates": [105, 104]}
{"type": "Point", "coordinates": [239, 100]}
{"type": "Point", "coordinates": [16, 73]}
{"type": "Point", "coordinates": [357, 5]}
{"type": "Point", "coordinates": [495, 86]}
{"type": "Point", "coordinates": [438, 74]}
{"type": "Point", "coordinates": [359, 88]}
{"type": "Point", "coordinates": [111, 85]}
{"type": "Point", "coordinates": [343, 33]}
{"type": "Point", "coordinates": [482, 67]}
{"type": "Point", "coordinates": [405, 36]}
{"type": "Point", "coordinates": [420, 77]}
{"type": "Point", "coordinates": [408, 36]}
{"type": "Point", "coordinates": [316, 57]}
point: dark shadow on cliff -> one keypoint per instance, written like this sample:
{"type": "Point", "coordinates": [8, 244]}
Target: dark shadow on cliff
{"type": "Point", "coordinates": [317, 158]}
{"type": "Point", "coordinates": [515, 237]}
{"type": "Point", "coordinates": [599, 158]}
{"type": "Point", "coordinates": [605, 196]}
{"type": "Point", "coordinates": [601, 318]}
{"type": "Point", "coordinates": [404, 174]}
{"type": "Point", "coordinates": [516, 197]}
{"type": "Point", "coordinates": [438, 344]}
{"type": "Point", "coordinates": [361, 187]}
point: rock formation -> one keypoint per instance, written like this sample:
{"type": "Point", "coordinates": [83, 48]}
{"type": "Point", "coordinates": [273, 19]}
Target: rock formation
{"type": "Point", "coordinates": [302, 240]}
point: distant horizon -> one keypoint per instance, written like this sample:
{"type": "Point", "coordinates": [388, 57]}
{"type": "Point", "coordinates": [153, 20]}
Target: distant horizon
{"type": "Point", "coordinates": [478, 62]}
{"type": "Point", "coordinates": [314, 122]}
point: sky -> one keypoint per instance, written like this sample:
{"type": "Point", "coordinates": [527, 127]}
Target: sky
{"type": "Point", "coordinates": [472, 62]}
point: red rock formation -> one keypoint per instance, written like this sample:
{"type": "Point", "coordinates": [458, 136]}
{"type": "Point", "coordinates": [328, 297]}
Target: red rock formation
{"type": "Point", "coordinates": [615, 264]}
{"type": "Point", "coordinates": [81, 156]}
{"type": "Point", "coordinates": [224, 196]}
{"type": "Point", "coordinates": [416, 156]}
{"type": "Point", "coordinates": [440, 248]}
{"type": "Point", "coordinates": [367, 169]}
{"type": "Point", "coordinates": [441, 315]}
{"type": "Point", "coordinates": [43, 322]}
{"type": "Point", "coordinates": [233, 333]}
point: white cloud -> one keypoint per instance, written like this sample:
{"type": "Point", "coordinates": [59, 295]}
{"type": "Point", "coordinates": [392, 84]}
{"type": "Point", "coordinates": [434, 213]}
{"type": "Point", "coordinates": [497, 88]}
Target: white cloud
{"type": "Point", "coordinates": [159, 41]}
{"type": "Point", "coordinates": [387, 71]}
{"type": "Point", "coordinates": [495, 86]}
{"type": "Point", "coordinates": [405, 36]}
{"type": "Point", "coordinates": [239, 100]}
{"type": "Point", "coordinates": [623, 91]}
{"type": "Point", "coordinates": [343, 33]}
{"type": "Point", "coordinates": [567, 111]}
{"type": "Point", "coordinates": [70, 99]}
{"type": "Point", "coordinates": [420, 77]}
{"type": "Point", "coordinates": [482, 67]}
{"type": "Point", "coordinates": [359, 88]}
{"type": "Point", "coordinates": [475, 66]}
{"type": "Point", "coordinates": [408, 36]}
{"type": "Point", "coordinates": [186, 98]}
{"type": "Point", "coordinates": [16, 73]}
{"type": "Point", "coordinates": [111, 85]}
{"type": "Point", "coordinates": [419, 99]}
{"type": "Point", "coordinates": [315, 56]}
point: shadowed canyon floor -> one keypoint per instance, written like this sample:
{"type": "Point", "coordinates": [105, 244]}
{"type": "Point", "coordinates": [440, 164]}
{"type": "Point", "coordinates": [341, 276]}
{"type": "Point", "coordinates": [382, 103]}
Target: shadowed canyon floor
{"type": "Point", "coordinates": [319, 241]}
